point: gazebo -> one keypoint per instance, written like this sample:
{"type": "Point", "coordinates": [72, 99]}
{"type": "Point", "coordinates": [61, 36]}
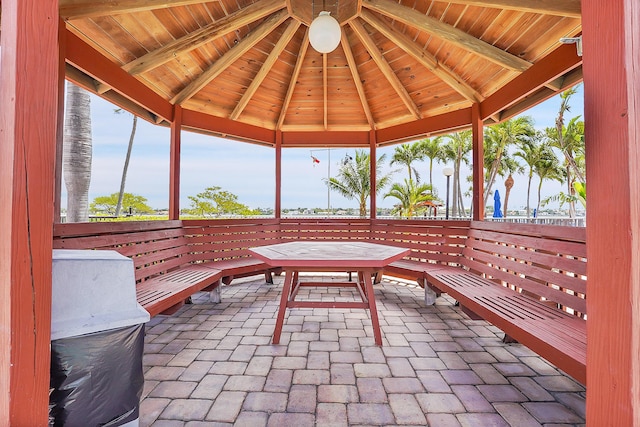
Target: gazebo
{"type": "Point", "coordinates": [248, 71]}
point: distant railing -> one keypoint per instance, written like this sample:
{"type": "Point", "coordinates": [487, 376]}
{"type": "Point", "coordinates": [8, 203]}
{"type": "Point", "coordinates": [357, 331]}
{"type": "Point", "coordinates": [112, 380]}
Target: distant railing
{"type": "Point", "coordinates": [570, 222]}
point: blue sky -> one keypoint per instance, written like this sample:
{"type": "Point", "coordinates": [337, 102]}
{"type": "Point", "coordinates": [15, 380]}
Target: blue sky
{"type": "Point", "coordinates": [248, 170]}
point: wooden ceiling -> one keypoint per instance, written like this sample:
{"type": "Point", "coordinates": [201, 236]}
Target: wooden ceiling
{"type": "Point", "coordinates": [398, 62]}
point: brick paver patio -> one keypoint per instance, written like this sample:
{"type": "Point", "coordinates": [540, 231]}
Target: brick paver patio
{"type": "Point", "coordinates": [213, 364]}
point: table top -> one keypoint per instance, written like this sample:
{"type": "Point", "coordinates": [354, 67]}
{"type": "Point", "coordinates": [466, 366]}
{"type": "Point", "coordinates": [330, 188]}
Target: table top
{"type": "Point", "coordinates": [326, 254]}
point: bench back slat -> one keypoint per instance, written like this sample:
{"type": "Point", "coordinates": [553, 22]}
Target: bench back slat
{"type": "Point", "coordinates": [550, 266]}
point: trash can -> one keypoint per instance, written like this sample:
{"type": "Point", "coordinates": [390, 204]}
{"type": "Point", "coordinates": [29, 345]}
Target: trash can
{"type": "Point", "coordinates": [97, 340]}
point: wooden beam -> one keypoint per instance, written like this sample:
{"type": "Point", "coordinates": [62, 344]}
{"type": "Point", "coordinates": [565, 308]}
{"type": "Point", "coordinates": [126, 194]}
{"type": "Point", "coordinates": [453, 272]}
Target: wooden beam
{"type": "Point", "coordinates": [568, 8]}
{"type": "Point", "coordinates": [557, 63]}
{"type": "Point", "coordinates": [266, 67]}
{"type": "Point", "coordinates": [29, 84]}
{"type": "Point", "coordinates": [353, 67]}
{"type": "Point", "coordinates": [231, 56]}
{"type": "Point", "coordinates": [174, 164]}
{"type": "Point", "coordinates": [447, 32]}
{"type": "Point", "coordinates": [92, 63]}
{"type": "Point", "coordinates": [325, 90]}
{"type": "Point", "coordinates": [427, 60]}
{"type": "Point", "coordinates": [57, 196]}
{"type": "Point", "coordinates": [202, 122]}
{"type": "Point", "coordinates": [478, 163]}
{"type": "Point", "coordinates": [74, 9]}
{"type": "Point", "coordinates": [324, 139]}
{"type": "Point", "coordinates": [204, 35]}
{"type": "Point", "coordinates": [373, 159]}
{"type": "Point", "coordinates": [294, 79]}
{"type": "Point", "coordinates": [612, 137]}
{"type": "Point", "coordinates": [434, 125]}
{"type": "Point", "coordinates": [277, 211]}
{"type": "Point", "coordinates": [384, 67]}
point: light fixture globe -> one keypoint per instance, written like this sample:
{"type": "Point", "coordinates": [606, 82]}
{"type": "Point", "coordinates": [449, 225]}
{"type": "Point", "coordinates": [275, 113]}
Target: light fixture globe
{"type": "Point", "coordinates": [324, 33]}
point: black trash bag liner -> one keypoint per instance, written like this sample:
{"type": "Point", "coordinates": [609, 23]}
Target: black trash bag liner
{"type": "Point", "coordinates": [97, 378]}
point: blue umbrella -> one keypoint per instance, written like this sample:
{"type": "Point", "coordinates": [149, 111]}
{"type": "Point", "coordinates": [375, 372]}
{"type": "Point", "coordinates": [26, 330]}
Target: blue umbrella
{"type": "Point", "coordinates": [497, 213]}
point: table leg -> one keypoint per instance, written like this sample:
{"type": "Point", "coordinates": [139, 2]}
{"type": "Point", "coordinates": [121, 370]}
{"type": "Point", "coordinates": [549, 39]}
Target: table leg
{"type": "Point", "coordinates": [284, 298]}
{"type": "Point", "coordinates": [372, 307]}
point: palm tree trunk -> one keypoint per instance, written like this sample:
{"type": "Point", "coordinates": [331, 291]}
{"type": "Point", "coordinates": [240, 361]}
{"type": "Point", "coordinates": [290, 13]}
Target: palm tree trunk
{"type": "Point", "coordinates": [529, 195]}
{"type": "Point", "coordinates": [77, 153]}
{"type": "Point", "coordinates": [570, 192]}
{"type": "Point", "coordinates": [508, 185]}
{"type": "Point", "coordinates": [123, 180]}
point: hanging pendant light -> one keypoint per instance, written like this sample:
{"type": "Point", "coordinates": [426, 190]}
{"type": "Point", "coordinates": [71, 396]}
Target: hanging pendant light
{"type": "Point", "coordinates": [324, 33]}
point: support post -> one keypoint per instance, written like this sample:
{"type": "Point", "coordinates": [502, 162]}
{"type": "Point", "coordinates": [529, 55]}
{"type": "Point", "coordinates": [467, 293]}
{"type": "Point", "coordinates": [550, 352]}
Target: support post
{"type": "Point", "coordinates": [57, 190]}
{"type": "Point", "coordinates": [174, 163]}
{"type": "Point", "coordinates": [29, 98]}
{"type": "Point", "coordinates": [478, 163]}
{"type": "Point", "coordinates": [611, 36]}
{"type": "Point", "coordinates": [373, 157]}
{"type": "Point", "coordinates": [277, 211]}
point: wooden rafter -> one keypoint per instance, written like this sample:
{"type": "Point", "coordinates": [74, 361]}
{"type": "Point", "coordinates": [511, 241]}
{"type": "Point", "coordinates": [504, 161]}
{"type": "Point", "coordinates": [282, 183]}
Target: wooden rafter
{"type": "Point", "coordinates": [384, 67]}
{"type": "Point", "coordinates": [425, 58]}
{"type": "Point", "coordinates": [447, 32]}
{"type": "Point", "coordinates": [353, 67]}
{"type": "Point", "coordinates": [73, 9]}
{"type": "Point", "coordinates": [568, 8]}
{"type": "Point", "coordinates": [203, 35]}
{"type": "Point", "coordinates": [266, 67]}
{"type": "Point", "coordinates": [231, 56]}
{"type": "Point", "coordinates": [294, 78]}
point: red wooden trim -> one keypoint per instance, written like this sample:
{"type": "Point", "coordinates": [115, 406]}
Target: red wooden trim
{"type": "Point", "coordinates": [556, 64]}
{"type": "Point", "coordinates": [325, 139]}
{"type": "Point", "coordinates": [612, 131]}
{"type": "Point", "coordinates": [57, 196]}
{"type": "Point", "coordinates": [29, 85]}
{"type": "Point", "coordinates": [197, 121]}
{"type": "Point", "coordinates": [91, 62]}
{"type": "Point", "coordinates": [442, 123]}
{"type": "Point", "coordinates": [174, 164]}
{"type": "Point", "coordinates": [478, 163]}
{"type": "Point", "coordinates": [373, 162]}
{"type": "Point", "coordinates": [277, 211]}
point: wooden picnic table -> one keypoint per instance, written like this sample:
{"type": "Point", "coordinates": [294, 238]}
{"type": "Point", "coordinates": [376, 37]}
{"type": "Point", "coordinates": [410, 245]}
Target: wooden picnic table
{"type": "Point", "coordinates": [334, 256]}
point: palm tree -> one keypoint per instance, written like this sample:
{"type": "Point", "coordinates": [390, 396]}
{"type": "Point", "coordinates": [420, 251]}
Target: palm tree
{"type": "Point", "coordinates": [432, 149]}
{"type": "Point", "coordinates": [510, 166]}
{"type": "Point", "coordinates": [354, 179]}
{"type": "Point", "coordinates": [496, 142]}
{"type": "Point", "coordinates": [405, 155]}
{"type": "Point", "coordinates": [534, 152]}
{"type": "Point", "coordinates": [457, 151]}
{"type": "Point", "coordinates": [125, 168]}
{"type": "Point", "coordinates": [77, 153]}
{"type": "Point", "coordinates": [547, 168]}
{"type": "Point", "coordinates": [570, 140]}
{"type": "Point", "coordinates": [410, 195]}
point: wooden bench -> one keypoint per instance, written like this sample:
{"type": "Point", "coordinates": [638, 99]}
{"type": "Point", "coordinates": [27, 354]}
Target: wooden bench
{"type": "Point", "coordinates": [529, 281]}
{"type": "Point", "coordinates": [432, 244]}
{"type": "Point", "coordinates": [166, 273]}
{"type": "Point", "coordinates": [226, 243]}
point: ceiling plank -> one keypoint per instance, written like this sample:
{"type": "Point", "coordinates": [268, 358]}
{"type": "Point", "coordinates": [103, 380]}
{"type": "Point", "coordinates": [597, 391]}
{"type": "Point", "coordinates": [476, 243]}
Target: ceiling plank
{"type": "Point", "coordinates": [294, 78]}
{"type": "Point", "coordinates": [74, 9]}
{"type": "Point", "coordinates": [203, 35]}
{"type": "Point", "coordinates": [353, 67]}
{"type": "Point", "coordinates": [231, 56]}
{"type": "Point", "coordinates": [568, 8]}
{"type": "Point", "coordinates": [384, 66]}
{"type": "Point", "coordinates": [446, 32]}
{"type": "Point", "coordinates": [266, 67]}
{"type": "Point", "coordinates": [425, 58]}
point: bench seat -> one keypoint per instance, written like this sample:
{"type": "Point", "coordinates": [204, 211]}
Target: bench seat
{"type": "Point", "coordinates": [166, 293]}
{"type": "Point", "coordinates": [532, 288]}
{"type": "Point", "coordinates": [243, 267]}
